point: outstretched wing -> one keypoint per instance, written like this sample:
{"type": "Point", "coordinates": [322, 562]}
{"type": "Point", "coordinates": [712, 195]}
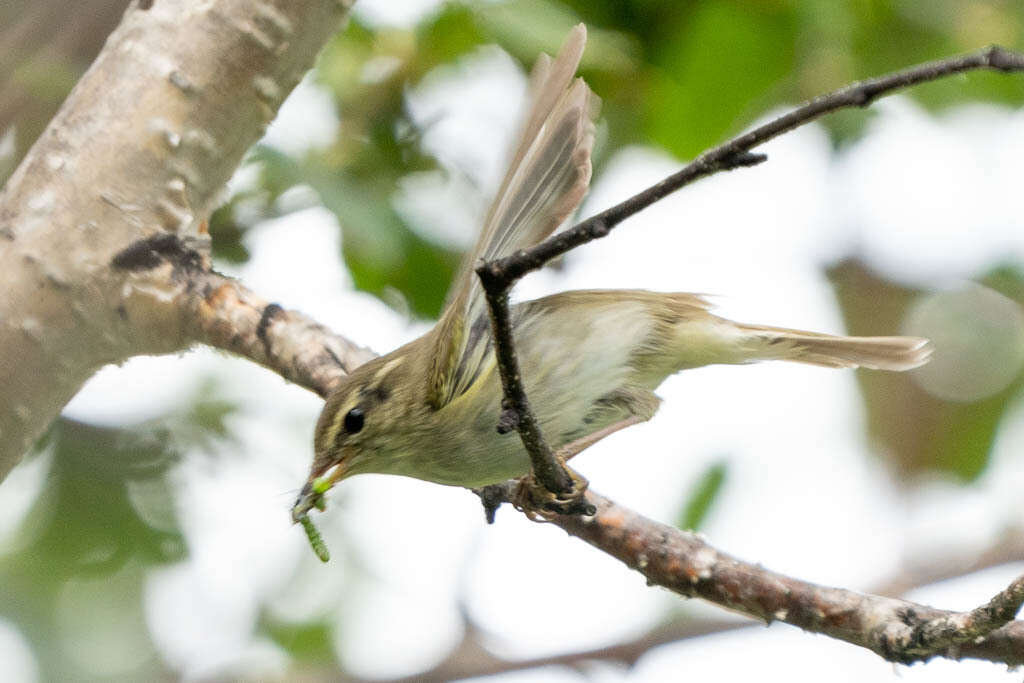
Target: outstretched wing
{"type": "Point", "coordinates": [545, 182]}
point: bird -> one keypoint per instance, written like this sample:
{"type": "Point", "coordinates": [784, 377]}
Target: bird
{"type": "Point", "coordinates": [590, 360]}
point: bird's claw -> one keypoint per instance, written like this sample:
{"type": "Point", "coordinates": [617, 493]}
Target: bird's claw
{"type": "Point", "coordinates": [538, 503]}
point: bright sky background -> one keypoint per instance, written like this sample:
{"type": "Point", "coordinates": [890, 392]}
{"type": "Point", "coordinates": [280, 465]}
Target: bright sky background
{"type": "Point", "coordinates": [930, 200]}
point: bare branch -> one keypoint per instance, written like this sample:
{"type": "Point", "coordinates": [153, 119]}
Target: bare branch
{"type": "Point", "coordinates": [1007, 547]}
{"type": "Point", "coordinates": [516, 412]}
{"type": "Point", "coordinates": [472, 659]}
{"type": "Point", "coordinates": [227, 315]}
{"type": "Point", "coordinates": [941, 634]}
{"type": "Point", "coordinates": [736, 152]}
{"type": "Point", "coordinates": [898, 630]}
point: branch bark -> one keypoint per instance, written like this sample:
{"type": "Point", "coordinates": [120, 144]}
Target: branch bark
{"type": "Point", "coordinates": [101, 226]}
{"type": "Point", "coordinates": [898, 630]}
{"type": "Point", "coordinates": [225, 314]}
{"type": "Point", "coordinates": [471, 658]}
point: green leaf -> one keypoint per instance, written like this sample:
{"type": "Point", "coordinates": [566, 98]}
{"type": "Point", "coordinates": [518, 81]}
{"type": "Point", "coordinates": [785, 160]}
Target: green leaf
{"type": "Point", "coordinates": [307, 642]}
{"type": "Point", "coordinates": [226, 234]}
{"type": "Point", "coordinates": [717, 73]}
{"type": "Point", "coordinates": [452, 32]}
{"type": "Point", "coordinates": [703, 495]}
{"type": "Point", "coordinates": [382, 253]}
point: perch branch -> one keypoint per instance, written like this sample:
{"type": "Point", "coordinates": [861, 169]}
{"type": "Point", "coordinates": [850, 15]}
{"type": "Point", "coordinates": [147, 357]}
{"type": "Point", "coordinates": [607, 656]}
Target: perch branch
{"type": "Point", "coordinates": [471, 658]}
{"type": "Point", "coordinates": [897, 630]}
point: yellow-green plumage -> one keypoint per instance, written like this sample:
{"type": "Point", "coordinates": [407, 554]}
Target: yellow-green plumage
{"type": "Point", "coordinates": [589, 359]}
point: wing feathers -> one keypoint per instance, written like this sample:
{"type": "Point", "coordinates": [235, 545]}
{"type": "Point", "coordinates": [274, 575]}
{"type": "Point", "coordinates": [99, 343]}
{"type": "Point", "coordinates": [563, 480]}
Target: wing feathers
{"type": "Point", "coordinates": [545, 182]}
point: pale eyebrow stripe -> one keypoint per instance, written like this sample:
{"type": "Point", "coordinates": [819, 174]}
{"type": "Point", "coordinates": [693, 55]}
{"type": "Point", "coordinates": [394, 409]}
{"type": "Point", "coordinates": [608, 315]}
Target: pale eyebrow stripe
{"type": "Point", "coordinates": [387, 367]}
{"type": "Point", "coordinates": [339, 417]}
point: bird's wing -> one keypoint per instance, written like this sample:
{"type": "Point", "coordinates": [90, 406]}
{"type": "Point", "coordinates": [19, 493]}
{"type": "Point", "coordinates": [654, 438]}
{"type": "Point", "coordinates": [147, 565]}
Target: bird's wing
{"type": "Point", "coordinates": [545, 182]}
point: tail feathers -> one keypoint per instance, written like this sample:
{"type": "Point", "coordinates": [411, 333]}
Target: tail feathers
{"type": "Point", "coordinates": [877, 353]}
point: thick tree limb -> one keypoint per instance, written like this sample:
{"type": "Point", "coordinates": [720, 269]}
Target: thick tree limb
{"type": "Point", "coordinates": [101, 224]}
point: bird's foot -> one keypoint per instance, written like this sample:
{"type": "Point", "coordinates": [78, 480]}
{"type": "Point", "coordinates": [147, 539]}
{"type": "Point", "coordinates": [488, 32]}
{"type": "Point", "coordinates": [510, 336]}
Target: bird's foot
{"type": "Point", "coordinates": [540, 504]}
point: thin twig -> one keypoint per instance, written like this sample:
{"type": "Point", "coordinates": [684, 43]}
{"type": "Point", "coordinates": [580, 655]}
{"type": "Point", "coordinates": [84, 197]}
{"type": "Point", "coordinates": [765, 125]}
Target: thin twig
{"type": "Point", "coordinates": [941, 634]}
{"type": "Point", "coordinates": [516, 411]}
{"type": "Point", "coordinates": [498, 276]}
{"type": "Point", "coordinates": [735, 152]}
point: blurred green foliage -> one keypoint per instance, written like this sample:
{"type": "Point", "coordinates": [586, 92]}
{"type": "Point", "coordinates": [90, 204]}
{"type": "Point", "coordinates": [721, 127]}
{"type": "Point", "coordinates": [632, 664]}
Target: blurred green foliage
{"type": "Point", "coordinates": [918, 433]}
{"type": "Point", "coordinates": [105, 514]}
{"type": "Point", "coordinates": [705, 492]}
{"type": "Point", "coordinates": [44, 47]}
{"type": "Point", "coordinates": [681, 75]}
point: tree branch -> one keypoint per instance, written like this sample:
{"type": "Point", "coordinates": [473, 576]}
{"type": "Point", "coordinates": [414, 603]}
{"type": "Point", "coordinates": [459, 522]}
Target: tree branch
{"type": "Point", "coordinates": [101, 224]}
{"type": "Point", "coordinates": [225, 314]}
{"type": "Point", "coordinates": [735, 153]}
{"type": "Point", "coordinates": [471, 658]}
{"type": "Point", "coordinates": [898, 630]}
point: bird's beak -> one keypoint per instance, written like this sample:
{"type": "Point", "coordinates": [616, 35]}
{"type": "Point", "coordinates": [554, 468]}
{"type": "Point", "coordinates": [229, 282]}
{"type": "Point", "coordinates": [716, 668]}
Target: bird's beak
{"type": "Point", "coordinates": [312, 494]}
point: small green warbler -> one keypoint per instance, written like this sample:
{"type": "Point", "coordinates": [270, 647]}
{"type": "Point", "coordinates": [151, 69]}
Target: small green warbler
{"type": "Point", "coordinates": [590, 360]}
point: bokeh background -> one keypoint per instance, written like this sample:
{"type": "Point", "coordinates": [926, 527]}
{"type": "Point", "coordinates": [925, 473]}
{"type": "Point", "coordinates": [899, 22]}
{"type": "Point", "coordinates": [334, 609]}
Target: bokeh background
{"type": "Point", "coordinates": [148, 538]}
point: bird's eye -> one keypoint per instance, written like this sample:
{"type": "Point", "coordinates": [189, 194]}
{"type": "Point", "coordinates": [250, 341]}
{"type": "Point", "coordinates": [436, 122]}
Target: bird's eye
{"type": "Point", "coordinates": [354, 420]}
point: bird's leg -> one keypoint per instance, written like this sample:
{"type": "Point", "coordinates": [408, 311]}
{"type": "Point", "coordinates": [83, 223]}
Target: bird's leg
{"type": "Point", "coordinates": [538, 503]}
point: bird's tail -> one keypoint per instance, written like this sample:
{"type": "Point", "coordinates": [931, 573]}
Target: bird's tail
{"type": "Point", "coordinates": [879, 353]}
